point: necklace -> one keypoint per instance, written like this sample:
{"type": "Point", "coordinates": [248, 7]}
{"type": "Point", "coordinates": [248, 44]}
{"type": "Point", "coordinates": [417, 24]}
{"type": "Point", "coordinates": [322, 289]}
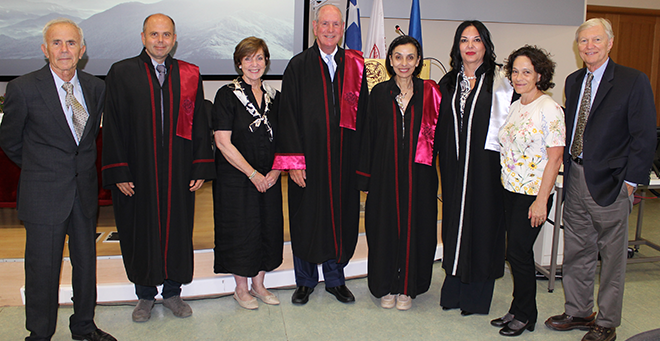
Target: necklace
{"type": "Point", "coordinates": [402, 96]}
{"type": "Point", "coordinates": [469, 78]}
{"type": "Point", "coordinates": [402, 107]}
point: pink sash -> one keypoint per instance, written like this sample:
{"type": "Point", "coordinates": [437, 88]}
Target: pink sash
{"type": "Point", "coordinates": [430, 111]}
{"type": "Point", "coordinates": [353, 68]}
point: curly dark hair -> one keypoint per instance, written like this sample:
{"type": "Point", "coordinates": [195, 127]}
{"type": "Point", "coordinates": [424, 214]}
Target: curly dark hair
{"type": "Point", "coordinates": [403, 40]}
{"type": "Point", "coordinates": [541, 61]}
{"type": "Point", "coordinates": [489, 56]}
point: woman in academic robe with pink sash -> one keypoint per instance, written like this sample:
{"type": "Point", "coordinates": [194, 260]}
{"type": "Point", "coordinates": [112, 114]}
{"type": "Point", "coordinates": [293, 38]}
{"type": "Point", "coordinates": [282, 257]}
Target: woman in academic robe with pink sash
{"type": "Point", "coordinates": [397, 169]}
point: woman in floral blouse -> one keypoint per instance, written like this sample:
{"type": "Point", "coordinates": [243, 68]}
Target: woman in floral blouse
{"type": "Point", "coordinates": [532, 144]}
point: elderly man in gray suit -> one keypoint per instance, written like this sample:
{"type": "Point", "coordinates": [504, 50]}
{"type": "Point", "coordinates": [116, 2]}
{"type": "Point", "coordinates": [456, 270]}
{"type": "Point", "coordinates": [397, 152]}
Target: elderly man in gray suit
{"type": "Point", "coordinates": [49, 129]}
{"type": "Point", "coordinates": [610, 140]}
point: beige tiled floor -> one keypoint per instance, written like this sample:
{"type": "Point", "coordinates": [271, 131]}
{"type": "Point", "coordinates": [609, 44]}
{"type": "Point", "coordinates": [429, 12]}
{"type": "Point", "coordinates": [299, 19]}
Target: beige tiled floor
{"type": "Point", "coordinates": [323, 318]}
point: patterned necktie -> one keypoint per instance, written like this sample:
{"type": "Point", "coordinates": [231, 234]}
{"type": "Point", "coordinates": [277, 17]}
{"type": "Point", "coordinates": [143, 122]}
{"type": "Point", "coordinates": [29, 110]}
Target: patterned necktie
{"type": "Point", "coordinates": [162, 71]}
{"type": "Point", "coordinates": [80, 116]}
{"type": "Point", "coordinates": [585, 107]}
{"type": "Point", "coordinates": [331, 67]}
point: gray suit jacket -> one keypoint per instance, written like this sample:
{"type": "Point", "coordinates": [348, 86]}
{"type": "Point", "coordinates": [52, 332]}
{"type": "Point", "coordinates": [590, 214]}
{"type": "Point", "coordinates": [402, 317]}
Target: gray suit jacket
{"type": "Point", "coordinates": [35, 135]}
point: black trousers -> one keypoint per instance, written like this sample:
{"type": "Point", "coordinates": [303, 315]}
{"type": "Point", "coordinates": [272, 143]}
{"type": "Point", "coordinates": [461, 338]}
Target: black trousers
{"type": "Point", "coordinates": [520, 237]}
{"type": "Point", "coordinates": [43, 262]}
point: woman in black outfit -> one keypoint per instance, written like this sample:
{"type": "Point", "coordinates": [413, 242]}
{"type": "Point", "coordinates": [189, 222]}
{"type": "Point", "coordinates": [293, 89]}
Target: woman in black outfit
{"type": "Point", "coordinates": [466, 137]}
{"type": "Point", "coordinates": [247, 196]}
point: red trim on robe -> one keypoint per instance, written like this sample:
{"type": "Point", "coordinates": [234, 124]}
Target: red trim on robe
{"type": "Point", "coordinates": [363, 174]}
{"type": "Point", "coordinates": [395, 111]}
{"type": "Point", "coordinates": [121, 164]}
{"type": "Point", "coordinates": [410, 186]}
{"type": "Point", "coordinates": [203, 161]}
{"type": "Point", "coordinates": [329, 147]}
{"type": "Point", "coordinates": [189, 78]}
{"type": "Point", "coordinates": [341, 155]}
{"type": "Point", "coordinates": [430, 111]}
{"type": "Point", "coordinates": [155, 139]}
{"type": "Point", "coordinates": [353, 69]}
{"type": "Point", "coordinates": [285, 161]}
{"type": "Point", "coordinates": [168, 222]}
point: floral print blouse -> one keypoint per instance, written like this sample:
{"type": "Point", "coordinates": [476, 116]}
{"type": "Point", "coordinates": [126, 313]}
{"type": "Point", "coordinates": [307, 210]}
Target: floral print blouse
{"type": "Point", "coordinates": [524, 138]}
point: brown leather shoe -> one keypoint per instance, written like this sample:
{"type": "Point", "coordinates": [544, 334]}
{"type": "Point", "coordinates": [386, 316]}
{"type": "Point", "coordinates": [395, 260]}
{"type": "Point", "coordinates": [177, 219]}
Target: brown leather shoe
{"type": "Point", "coordinates": [598, 333]}
{"type": "Point", "coordinates": [567, 322]}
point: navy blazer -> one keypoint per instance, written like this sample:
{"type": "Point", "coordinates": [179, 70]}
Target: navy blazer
{"type": "Point", "coordinates": [36, 136]}
{"type": "Point", "coordinates": [620, 134]}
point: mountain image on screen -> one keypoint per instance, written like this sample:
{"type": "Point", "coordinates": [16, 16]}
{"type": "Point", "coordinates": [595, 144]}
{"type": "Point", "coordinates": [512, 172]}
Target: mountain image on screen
{"type": "Point", "coordinates": [207, 30]}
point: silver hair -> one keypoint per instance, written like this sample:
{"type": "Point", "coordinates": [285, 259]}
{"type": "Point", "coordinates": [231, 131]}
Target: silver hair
{"type": "Point", "coordinates": [607, 25]}
{"type": "Point", "coordinates": [144, 24]}
{"type": "Point", "coordinates": [316, 15]}
{"type": "Point", "coordinates": [63, 21]}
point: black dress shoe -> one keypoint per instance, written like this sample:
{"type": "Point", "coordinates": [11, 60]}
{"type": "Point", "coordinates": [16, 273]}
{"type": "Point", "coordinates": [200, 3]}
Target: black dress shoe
{"type": "Point", "coordinates": [466, 313]}
{"type": "Point", "coordinates": [502, 321]}
{"type": "Point", "coordinates": [342, 293]}
{"type": "Point", "coordinates": [301, 295]}
{"type": "Point", "coordinates": [97, 335]}
{"type": "Point", "coordinates": [515, 328]}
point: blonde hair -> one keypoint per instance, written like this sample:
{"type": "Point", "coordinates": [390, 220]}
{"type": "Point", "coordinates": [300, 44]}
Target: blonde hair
{"type": "Point", "coordinates": [607, 25]}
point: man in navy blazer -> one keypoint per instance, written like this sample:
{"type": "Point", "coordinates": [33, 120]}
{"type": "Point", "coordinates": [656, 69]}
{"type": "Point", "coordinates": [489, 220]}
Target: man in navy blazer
{"type": "Point", "coordinates": [609, 152]}
{"type": "Point", "coordinates": [53, 139]}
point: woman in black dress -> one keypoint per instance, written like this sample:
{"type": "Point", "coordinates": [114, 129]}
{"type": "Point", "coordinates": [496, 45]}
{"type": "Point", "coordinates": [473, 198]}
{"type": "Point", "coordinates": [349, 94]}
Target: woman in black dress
{"type": "Point", "coordinates": [472, 212]}
{"type": "Point", "coordinates": [247, 197]}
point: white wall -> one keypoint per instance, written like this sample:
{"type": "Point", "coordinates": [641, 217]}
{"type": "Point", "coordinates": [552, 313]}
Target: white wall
{"type": "Point", "coordinates": [438, 38]}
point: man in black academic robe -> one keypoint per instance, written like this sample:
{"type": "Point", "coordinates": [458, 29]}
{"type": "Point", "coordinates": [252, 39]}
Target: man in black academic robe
{"type": "Point", "coordinates": [321, 155]}
{"type": "Point", "coordinates": [156, 154]}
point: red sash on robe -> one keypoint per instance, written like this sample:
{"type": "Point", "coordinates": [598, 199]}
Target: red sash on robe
{"type": "Point", "coordinates": [189, 74]}
{"type": "Point", "coordinates": [430, 111]}
{"type": "Point", "coordinates": [353, 69]}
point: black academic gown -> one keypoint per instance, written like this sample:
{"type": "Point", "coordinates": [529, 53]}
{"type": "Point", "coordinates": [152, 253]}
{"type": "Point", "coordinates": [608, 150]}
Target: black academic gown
{"type": "Point", "coordinates": [155, 224]}
{"type": "Point", "coordinates": [401, 209]}
{"type": "Point", "coordinates": [479, 219]}
{"type": "Point", "coordinates": [324, 216]}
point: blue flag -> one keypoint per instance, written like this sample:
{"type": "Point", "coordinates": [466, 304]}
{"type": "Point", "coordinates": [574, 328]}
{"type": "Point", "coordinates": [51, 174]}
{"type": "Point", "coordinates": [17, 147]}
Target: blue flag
{"type": "Point", "coordinates": [353, 34]}
{"type": "Point", "coordinates": [415, 27]}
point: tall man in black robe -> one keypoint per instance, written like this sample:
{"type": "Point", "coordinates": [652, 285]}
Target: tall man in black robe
{"type": "Point", "coordinates": [49, 129]}
{"type": "Point", "coordinates": [156, 154]}
{"type": "Point", "coordinates": [323, 97]}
